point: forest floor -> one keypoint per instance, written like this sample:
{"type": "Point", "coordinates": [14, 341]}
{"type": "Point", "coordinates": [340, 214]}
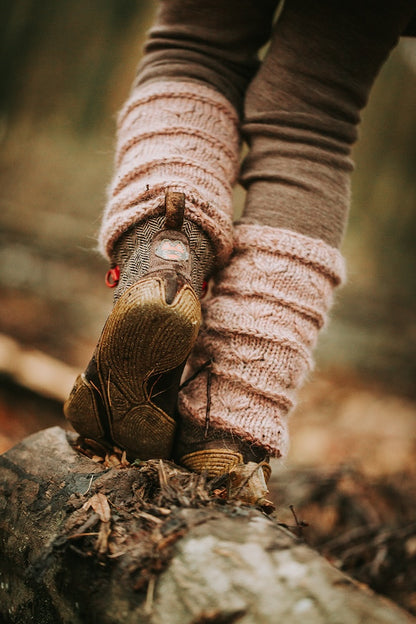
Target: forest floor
{"type": "Point", "coordinates": [348, 486]}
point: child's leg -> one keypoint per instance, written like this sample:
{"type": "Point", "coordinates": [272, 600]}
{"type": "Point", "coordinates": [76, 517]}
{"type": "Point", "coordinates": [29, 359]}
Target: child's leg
{"type": "Point", "coordinates": [208, 41]}
{"type": "Point", "coordinates": [178, 132]}
{"type": "Point", "coordinates": [301, 116]}
{"type": "Point", "coordinates": [179, 128]}
{"type": "Point", "coordinates": [303, 107]}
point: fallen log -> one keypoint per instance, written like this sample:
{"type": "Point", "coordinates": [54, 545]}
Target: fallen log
{"type": "Point", "coordinates": [82, 542]}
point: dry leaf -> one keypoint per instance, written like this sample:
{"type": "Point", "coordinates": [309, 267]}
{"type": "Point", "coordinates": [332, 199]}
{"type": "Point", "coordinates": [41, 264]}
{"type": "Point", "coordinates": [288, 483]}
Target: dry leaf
{"type": "Point", "coordinates": [124, 460]}
{"type": "Point", "coordinates": [111, 461]}
{"type": "Point", "coordinates": [100, 505]}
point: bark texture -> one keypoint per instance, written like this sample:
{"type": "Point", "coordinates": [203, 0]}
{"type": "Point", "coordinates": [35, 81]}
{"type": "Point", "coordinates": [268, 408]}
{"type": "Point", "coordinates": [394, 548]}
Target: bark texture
{"type": "Point", "coordinates": [81, 542]}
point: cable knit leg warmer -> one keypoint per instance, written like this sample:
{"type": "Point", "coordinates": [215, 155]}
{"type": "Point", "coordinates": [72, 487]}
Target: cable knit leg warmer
{"type": "Point", "coordinates": [260, 327]}
{"type": "Point", "coordinates": [180, 136]}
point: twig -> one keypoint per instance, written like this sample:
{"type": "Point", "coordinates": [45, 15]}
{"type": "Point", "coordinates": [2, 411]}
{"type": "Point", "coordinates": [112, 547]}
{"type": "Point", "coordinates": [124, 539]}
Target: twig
{"type": "Point", "coordinates": [89, 486]}
{"type": "Point", "coordinates": [208, 410]}
{"type": "Point", "coordinates": [78, 535]}
{"type": "Point", "coordinates": [148, 607]}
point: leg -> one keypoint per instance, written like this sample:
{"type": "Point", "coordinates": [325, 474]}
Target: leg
{"type": "Point", "coordinates": [303, 107]}
{"type": "Point", "coordinates": [302, 111]}
{"type": "Point", "coordinates": [210, 42]}
{"type": "Point", "coordinates": [179, 129]}
{"type": "Point", "coordinates": [177, 132]}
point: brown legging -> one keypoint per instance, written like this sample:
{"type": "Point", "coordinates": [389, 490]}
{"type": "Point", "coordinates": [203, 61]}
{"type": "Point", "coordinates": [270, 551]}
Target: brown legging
{"type": "Point", "coordinates": [300, 106]}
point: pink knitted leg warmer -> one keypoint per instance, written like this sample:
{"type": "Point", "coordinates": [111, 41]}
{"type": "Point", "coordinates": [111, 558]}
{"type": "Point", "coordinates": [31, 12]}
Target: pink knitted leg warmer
{"type": "Point", "coordinates": [260, 327]}
{"type": "Point", "coordinates": [181, 136]}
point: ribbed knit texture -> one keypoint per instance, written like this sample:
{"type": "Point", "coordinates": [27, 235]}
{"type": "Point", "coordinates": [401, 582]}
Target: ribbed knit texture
{"type": "Point", "coordinates": [260, 327]}
{"type": "Point", "coordinates": [181, 136]}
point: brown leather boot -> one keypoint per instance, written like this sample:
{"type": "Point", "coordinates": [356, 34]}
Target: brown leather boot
{"type": "Point", "coordinates": [127, 395]}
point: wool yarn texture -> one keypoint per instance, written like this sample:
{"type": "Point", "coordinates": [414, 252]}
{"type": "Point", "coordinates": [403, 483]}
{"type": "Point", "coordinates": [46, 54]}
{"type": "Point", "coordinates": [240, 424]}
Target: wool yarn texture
{"type": "Point", "coordinates": [260, 327]}
{"type": "Point", "coordinates": [179, 136]}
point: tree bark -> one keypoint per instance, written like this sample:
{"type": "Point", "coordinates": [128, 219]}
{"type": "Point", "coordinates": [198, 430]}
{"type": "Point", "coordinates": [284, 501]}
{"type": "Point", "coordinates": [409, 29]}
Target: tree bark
{"type": "Point", "coordinates": [81, 542]}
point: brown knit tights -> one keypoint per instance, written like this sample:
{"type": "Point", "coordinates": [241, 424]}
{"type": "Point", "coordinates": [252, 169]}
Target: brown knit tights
{"type": "Point", "coordinates": [300, 107]}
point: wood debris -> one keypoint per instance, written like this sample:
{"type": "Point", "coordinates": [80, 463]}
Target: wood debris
{"type": "Point", "coordinates": [100, 505]}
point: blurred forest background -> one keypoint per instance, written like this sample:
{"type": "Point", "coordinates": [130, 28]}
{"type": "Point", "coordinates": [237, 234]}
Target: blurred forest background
{"type": "Point", "coordinates": [65, 69]}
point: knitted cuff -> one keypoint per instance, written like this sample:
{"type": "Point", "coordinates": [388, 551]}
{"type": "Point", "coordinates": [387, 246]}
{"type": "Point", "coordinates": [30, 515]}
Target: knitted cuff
{"type": "Point", "coordinates": [259, 330]}
{"type": "Point", "coordinates": [181, 136]}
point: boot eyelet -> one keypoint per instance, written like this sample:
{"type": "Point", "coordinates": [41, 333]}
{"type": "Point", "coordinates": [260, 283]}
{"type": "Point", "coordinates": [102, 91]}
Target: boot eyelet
{"type": "Point", "coordinates": [112, 277]}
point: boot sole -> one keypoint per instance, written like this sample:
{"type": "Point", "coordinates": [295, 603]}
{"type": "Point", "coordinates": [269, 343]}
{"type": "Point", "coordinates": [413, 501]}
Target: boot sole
{"type": "Point", "coordinates": [144, 336]}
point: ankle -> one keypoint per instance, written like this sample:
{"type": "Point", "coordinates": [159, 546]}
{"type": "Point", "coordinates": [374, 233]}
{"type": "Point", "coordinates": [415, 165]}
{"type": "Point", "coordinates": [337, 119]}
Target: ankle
{"type": "Point", "coordinates": [164, 243]}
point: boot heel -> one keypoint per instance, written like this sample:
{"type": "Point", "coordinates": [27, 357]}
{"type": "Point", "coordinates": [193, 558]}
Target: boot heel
{"type": "Point", "coordinates": [143, 339]}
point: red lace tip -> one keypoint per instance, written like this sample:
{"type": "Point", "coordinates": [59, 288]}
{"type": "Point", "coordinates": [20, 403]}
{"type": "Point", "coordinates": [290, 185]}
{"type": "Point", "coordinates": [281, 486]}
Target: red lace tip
{"type": "Point", "coordinates": [204, 289]}
{"type": "Point", "coordinates": [112, 277]}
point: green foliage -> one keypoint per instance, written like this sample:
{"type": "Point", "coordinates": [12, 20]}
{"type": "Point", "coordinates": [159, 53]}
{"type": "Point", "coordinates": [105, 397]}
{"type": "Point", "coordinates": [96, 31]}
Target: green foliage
{"type": "Point", "coordinates": [61, 57]}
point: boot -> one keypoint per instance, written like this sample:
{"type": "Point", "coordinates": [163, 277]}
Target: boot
{"type": "Point", "coordinates": [127, 395]}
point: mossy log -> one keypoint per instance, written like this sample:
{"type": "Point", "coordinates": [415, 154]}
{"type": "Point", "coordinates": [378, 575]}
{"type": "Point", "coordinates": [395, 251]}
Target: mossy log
{"type": "Point", "coordinates": [82, 543]}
